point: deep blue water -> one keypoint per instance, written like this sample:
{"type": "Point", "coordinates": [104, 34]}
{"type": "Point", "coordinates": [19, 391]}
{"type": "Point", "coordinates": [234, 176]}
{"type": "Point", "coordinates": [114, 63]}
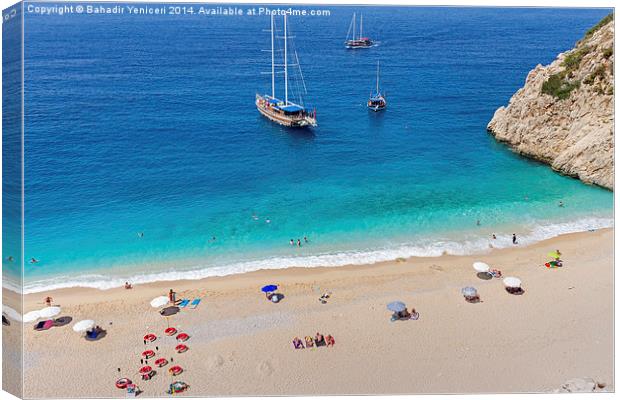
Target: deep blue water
{"type": "Point", "coordinates": [147, 124]}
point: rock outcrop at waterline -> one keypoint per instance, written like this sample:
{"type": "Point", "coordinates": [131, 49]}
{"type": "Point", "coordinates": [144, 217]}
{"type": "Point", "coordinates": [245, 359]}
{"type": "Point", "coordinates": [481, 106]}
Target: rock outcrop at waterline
{"type": "Point", "coordinates": [564, 114]}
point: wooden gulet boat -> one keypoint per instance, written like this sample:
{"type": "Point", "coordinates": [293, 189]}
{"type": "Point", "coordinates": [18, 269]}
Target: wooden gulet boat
{"type": "Point", "coordinates": [355, 40]}
{"type": "Point", "coordinates": [284, 112]}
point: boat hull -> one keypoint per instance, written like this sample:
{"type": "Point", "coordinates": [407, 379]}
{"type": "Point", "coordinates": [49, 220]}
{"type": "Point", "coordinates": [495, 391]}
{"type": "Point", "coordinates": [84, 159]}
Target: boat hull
{"type": "Point", "coordinates": [282, 119]}
{"type": "Point", "coordinates": [358, 44]}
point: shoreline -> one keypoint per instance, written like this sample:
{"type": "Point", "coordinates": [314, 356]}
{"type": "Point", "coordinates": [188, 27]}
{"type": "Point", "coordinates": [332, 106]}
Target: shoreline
{"type": "Point", "coordinates": [371, 269]}
{"type": "Point", "coordinates": [479, 245]}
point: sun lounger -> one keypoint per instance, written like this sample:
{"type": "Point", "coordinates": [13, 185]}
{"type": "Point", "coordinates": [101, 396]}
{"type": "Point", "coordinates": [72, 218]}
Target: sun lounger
{"type": "Point", "coordinates": [195, 303]}
{"type": "Point", "coordinates": [183, 303]}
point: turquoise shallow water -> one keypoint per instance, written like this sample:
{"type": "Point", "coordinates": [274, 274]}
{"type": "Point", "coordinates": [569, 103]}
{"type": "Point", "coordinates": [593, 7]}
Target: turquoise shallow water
{"type": "Point", "coordinates": [146, 124]}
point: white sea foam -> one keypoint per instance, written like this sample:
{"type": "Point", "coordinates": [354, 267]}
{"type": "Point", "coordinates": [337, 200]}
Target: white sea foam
{"type": "Point", "coordinates": [422, 248]}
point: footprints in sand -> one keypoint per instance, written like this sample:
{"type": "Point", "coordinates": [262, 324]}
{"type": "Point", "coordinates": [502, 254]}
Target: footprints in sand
{"type": "Point", "coordinates": [438, 268]}
{"type": "Point", "coordinates": [215, 362]}
{"type": "Point", "coordinates": [264, 368]}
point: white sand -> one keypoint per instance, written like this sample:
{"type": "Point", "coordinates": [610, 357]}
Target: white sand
{"type": "Point", "coordinates": [561, 328]}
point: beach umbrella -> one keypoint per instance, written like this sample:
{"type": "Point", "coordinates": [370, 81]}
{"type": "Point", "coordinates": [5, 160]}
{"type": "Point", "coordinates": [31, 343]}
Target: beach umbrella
{"type": "Point", "coordinates": [481, 267]}
{"type": "Point", "coordinates": [49, 312]}
{"type": "Point", "coordinates": [31, 316]}
{"type": "Point", "coordinates": [84, 325]}
{"type": "Point", "coordinates": [469, 291]}
{"type": "Point", "coordinates": [512, 282]}
{"type": "Point", "coordinates": [168, 311]}
{"type": "Point", "coordinates": [397, 306]}
{"type": "Point", "coordinates": [269, 288]}
{"type": "Point", "coordinates": [158, 302]}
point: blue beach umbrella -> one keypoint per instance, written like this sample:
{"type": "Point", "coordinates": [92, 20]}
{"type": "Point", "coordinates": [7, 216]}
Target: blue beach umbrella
{"type": "Point", "coordinates": [269, 288]}
{"type": "Point", "coordinates": [397, 306]}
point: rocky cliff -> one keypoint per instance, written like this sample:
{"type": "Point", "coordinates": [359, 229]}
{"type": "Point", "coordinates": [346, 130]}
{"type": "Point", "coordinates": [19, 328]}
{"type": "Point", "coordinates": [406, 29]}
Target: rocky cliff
{"type": "Point", "coordinates": [564, 113]}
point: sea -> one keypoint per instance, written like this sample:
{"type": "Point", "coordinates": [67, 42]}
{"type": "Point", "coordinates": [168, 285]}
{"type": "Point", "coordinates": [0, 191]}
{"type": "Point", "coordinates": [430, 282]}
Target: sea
{"type": "Point", "coordinates": [146, 160]}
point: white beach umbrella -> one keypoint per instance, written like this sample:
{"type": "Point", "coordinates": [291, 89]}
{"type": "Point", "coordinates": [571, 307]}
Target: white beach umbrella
{"type": "Point", "coordinates": [158, 302]}
{"type": "Point", "coordinates": [469, 291]}
{"type": "Point", "coordinates": [481, 267]}
{"type": "Point", "coordinates": [11, 313]}
{"type": "Point", "coordinates": [512, 282]}
{"type": "Point", "coordinates": [31, 316]}
{"type": "Point", "coordinates": [49, 312]}
{"type": "Point", "coordinates": [84, 325]}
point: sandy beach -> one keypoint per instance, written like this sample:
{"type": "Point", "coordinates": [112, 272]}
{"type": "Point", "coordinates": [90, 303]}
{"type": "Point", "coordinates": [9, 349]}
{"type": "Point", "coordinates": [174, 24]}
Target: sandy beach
{"type": "Point", "coordinates": [240, 344]}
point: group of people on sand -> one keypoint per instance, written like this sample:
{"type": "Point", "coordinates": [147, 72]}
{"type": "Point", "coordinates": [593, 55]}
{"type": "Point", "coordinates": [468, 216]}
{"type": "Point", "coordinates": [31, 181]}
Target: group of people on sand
{"type": "Point", "coordinates": [310, 342]}
{"type": "Point", "coordinates": [405, 315]}
{"type": "Point", "coordinates": [298, 242]}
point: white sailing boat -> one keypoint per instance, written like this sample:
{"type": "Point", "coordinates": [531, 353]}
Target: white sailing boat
{"type": "Point", "coordinates": [355, 39]}
{"type": "Point", "coordinates": [377, 101]}
{"type": "Point", "coordinates": [284, 112]}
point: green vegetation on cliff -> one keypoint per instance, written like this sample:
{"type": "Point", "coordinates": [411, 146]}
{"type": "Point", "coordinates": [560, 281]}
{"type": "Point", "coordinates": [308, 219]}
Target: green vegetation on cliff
{"type": "Point", "coordinates": [561, 84]}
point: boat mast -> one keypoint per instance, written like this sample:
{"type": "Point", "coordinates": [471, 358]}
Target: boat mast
{"type": "Point", "coordinates": [354, 30]}
{"type": "Point", "coordinates": [273, 71]}
{"type": "Point", "coordinates": [361, 22]}
{"type": "Point", "coordinates": [285, 65]}
{"type": "Point", "coordinates": [377, 77]}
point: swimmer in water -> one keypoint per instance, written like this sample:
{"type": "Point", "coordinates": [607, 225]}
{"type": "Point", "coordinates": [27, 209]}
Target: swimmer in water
{"type": "Point", "coordinates": [140, 234]}
{"type": "Point", "coordinates": [561, 204]}
{"type": "Point", "coordinates": [478, 222]}
{"type": "Point", "coordinates": [33, 260]}
{"type": "Point", "coordinates": [494, 237]}
{"type": "Point", "coordinates": [305, 239]}
{"type": "Point", "coordinates": [292, 242]}
{"type": "Point", "coordinates": [298, 243]}
{"type": "Point", "coordinates": [514, 238]}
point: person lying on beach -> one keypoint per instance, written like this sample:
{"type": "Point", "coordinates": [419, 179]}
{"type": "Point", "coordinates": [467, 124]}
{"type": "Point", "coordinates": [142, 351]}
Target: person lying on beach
{"type": "Point", "coordinates": [496, 273]}
{"type": "Point", "coordinates": [414, 315]}
{"type": "Point", "coordinates": [297, 343]}
{"type": "Point", "coordinates": [309, 341]}
{"type": "Point", "coordinates": [514, 290]}
{"type": "Point", "coordinates": [128, 285]}
{"type": "Point", "coordinates": [319, 340]}
{"type": "Point", "coordinates": [324, 297]}
{"type": "Point", "coordinates": [48, 301]}
{"type": "Point", "coordinates": [472, 299]}
{"type": "Point", "coordinates": [269, 295]}
{"type": "Point", "coordinates": [329, 339]}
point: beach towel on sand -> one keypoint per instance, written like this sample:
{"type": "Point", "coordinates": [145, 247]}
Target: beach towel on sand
{"type": "Point", "coordinates": [183, 303]}
{"type": "Point", "coordinates": [195, 303]}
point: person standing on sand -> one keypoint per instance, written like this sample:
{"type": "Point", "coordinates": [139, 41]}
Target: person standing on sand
{"type": "Point", "coordinates": [172, 296]}
{"type": "Point", "coordinates": [514, 238]}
